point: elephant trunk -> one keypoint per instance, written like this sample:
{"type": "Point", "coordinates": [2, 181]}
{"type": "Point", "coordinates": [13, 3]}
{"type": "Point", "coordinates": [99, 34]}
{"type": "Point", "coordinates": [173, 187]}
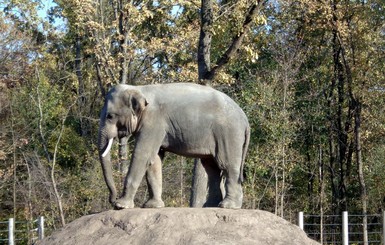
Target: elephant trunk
{"type": "Point", "coordinates": [104, 146]}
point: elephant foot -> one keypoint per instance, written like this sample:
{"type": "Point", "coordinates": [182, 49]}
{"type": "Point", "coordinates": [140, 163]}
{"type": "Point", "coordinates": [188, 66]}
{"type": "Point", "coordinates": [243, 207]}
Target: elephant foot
{"type": "Point", "coordinates": [230, 204]}
{"type": "Point", "coordinates": [123, 204]}
{"type": "Point", "coordinates": [154, 203]}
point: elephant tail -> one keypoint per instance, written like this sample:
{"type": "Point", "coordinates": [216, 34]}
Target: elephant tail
{"type": "Point", "coordinates": [244, 151]}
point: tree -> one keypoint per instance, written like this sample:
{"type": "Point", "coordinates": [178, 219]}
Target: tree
{"type": "Point", "coordinates": [335, 33]}
{"type": "Point", "coordinates": [310, 81]}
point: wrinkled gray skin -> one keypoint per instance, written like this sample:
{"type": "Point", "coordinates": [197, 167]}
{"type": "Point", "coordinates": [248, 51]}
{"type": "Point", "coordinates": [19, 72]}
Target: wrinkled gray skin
{"type": "Point", "coordinates": [187, 119]}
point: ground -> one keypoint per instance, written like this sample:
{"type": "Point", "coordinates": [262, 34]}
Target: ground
{"type": "Point", "coordinates": [180, 226]}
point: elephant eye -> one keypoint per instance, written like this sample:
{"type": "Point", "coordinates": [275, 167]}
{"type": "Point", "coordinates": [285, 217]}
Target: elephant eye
{"type": "Point", "coordinates": [110, 116]}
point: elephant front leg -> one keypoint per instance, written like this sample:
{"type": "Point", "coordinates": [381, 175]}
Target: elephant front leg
{"type": "Point", "coordinates": [154, 182]}
{"type": "Point", "coordinates": [132, 181]}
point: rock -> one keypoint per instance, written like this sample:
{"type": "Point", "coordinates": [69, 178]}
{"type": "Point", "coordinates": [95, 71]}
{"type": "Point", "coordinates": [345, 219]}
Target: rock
{"type": "Point", "coordinates": [180, 226]}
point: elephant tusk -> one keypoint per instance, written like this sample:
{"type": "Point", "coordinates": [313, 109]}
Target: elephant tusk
{"type": "Point", "coordinates": [108, 147]}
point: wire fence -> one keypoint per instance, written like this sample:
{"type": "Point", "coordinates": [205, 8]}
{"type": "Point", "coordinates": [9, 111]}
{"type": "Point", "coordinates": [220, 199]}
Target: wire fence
{"type": "Point", "coordinates": [343, 229]}
{"type": "Point", "coordinates": [21, 232]}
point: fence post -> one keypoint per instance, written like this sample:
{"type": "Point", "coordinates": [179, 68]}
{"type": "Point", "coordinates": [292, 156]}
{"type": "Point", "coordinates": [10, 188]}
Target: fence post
{"type": "Point", "coordinates": [383, 227]}
{"type": "Point", "coordinates": [40, 228]}
{"type": "Point", "coordinates": [345, 228]}
{"type": "Point", "coordinates": [300, 220]}
{"type": "Point", "coordinates": [11, 228]}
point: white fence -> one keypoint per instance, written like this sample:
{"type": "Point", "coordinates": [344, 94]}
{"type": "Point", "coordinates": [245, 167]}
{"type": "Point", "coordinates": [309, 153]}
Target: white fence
{"type": "Point", "coordinates": [25, 232]}
{"type": "Point", "coordinates": [343, 229]}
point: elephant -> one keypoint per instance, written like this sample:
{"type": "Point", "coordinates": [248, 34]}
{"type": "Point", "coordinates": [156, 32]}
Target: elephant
{"type": "Point", "coordinates": [183, 118]}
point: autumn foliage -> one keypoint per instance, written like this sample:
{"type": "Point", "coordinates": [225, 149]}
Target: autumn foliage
{"type": "Point", "coordinates": [309, 75]}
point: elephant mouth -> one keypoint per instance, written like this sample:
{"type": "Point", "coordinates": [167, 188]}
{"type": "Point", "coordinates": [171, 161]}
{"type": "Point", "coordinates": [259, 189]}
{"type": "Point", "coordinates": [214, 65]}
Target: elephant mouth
{"type": "Point", "coordinates": [122, 133]}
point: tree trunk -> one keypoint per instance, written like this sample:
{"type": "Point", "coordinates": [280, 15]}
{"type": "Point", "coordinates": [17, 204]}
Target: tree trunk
{"type": "Point", "coordinates": [206, 73]}
{"type": "Point", "coordinates": [123, 156]}
{"type": "Point", "coordinates": [283, 187]}
{"type": "Point", "coordinates": [14, 162]}
{"type": "Point", "coordinates": [124, 31]}
{"type": "Point", "coordinates": [199, 185]}
{"type": "Point", "coordinates": [363, 194]}
{"type": "Point", "coordinates": [276, 188]}
{"type": "Point", "coordinates": [51, 161]}
{"type": "Point", "coordinates": [205, 37]}
{"type": "Point", "coordinates": [81, 97]}
{"type": "Point", "coordinates": [238, 38]}
{"type": "Point", "coordinates": [321, 191]}
{"type": "Point", "coordinates": [53, 179]}
{"type": "Point", "coordinates": [200, 179]}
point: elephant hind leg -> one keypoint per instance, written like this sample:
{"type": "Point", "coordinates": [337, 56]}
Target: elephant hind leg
{"type": "Point", "coordinates": [234, 194]}
{"type": "Point", "coordinates": [154, 182]}
{"type": "Point", "coordinates": [231, 160]}
{"type": "Point", "coordinates": [214, 182]}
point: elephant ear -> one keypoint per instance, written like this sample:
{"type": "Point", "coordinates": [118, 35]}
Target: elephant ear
{"type": "Point", "coordinates": [135, 100]}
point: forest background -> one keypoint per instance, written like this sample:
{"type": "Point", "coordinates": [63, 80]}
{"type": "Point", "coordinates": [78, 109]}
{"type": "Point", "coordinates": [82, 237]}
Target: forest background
{"type": "Point", "coordinates": [309, 75]}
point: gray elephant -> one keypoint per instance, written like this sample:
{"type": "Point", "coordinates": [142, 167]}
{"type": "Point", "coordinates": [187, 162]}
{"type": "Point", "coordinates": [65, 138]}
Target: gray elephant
{"type": "Point", "coordinates": [183, 118]}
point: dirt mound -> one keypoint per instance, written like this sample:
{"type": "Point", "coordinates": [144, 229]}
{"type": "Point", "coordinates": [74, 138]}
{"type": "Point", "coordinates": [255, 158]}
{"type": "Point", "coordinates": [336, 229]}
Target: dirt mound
{"type": "Point", "coordinates": [180, 226]}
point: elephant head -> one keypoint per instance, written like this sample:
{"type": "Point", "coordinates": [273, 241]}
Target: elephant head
{"type": "Point", "coordinates": [120, 117]}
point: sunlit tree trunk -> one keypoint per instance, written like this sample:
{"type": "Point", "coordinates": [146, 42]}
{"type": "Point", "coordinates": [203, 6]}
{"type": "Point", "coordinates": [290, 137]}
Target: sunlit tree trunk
{"type": "Point", "coordinates": [123, 156]}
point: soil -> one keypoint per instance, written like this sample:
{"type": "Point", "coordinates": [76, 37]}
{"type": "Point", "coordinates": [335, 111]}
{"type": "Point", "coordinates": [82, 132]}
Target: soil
{"type": "Point", "coordinates": [180, 226]}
